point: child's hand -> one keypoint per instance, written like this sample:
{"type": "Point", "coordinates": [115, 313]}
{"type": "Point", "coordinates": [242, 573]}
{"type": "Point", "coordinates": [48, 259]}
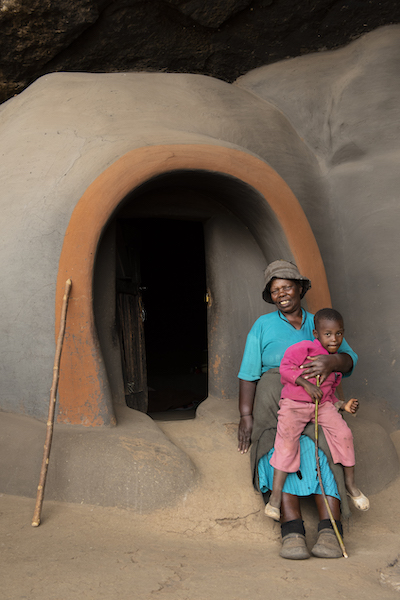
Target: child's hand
{"type": "Point", "coordinates": [311, 389]}
{"type": "Point", "coordinates": [351, 406]}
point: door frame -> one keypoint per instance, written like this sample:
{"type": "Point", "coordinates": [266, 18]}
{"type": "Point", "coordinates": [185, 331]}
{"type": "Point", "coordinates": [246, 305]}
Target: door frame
{"type": "Point", "coordinates": [84, 394]}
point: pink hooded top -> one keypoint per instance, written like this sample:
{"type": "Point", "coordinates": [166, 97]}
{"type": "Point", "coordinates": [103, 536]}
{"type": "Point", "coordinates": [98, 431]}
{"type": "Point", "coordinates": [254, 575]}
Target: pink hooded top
{"type": "Point", "coordinates": [290, 370]}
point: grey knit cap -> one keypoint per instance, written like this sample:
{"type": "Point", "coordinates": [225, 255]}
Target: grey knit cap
{"type": "Point", "coordinates": [283, 269]}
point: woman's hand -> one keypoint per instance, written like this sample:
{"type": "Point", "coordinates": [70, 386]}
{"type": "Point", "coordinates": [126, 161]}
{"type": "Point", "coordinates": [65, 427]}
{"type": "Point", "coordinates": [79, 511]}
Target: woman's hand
{"type": "Point", "coordinates": [321, 365]}
{"type": "Point", "coordinates": [247, 392]}
{"type": "Point", "coordinates": [324, 364]}
{"type": "Point", "coordinates": [244, 433]}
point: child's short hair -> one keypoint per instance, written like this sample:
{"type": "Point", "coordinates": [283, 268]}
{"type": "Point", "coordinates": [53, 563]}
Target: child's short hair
{"type": "Point", "coordinates": [327, 314]}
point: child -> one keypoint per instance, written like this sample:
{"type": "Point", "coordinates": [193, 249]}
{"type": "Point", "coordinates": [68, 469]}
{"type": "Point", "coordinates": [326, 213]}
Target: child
{"type": "Point", "coordinates": [296, 409]}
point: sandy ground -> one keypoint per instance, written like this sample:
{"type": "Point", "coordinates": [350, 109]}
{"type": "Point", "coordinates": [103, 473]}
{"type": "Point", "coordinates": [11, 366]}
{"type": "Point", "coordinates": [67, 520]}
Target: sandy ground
{"type": "Point", "coordinates": [216, 544]}
{"type": "Point", "coordinates": [92, 552]}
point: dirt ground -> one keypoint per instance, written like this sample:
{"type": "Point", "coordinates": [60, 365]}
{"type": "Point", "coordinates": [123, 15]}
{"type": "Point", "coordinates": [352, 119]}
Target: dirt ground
{"type": "Point", "coordinates": [94, 553]}
{"type": "Point", "coordinates": [215, 544]}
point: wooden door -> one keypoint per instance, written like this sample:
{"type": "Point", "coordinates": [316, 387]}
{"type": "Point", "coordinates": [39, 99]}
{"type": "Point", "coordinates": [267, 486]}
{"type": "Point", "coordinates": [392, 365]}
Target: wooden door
{"type": "Point", "coordinates": [131, 316]}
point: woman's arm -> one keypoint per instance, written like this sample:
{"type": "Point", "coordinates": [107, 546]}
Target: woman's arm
{"type": "Point", "coordinates": [247, 392]}
{"type": "Point", "coordinates": [324, 365]}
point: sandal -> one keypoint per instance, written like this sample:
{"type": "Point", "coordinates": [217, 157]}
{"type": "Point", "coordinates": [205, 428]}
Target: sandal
{"type": "Point", "coordinates": [361, 502]}
{"type": "Point", "coordinates": [272, 512]}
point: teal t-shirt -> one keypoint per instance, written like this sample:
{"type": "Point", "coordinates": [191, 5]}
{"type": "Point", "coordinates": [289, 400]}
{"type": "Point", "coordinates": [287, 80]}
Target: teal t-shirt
{"type": "Point", "coordinates": [270, 337]}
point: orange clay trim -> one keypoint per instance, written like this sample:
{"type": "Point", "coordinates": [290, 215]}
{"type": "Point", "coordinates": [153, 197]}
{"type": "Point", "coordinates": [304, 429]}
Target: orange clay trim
{"type": "Point", "coordinates": [84, 397]}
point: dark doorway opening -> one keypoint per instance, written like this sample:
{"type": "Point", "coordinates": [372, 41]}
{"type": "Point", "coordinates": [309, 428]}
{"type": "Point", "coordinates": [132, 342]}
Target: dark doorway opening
{"type": "Point", "coordinates": [161, 288]}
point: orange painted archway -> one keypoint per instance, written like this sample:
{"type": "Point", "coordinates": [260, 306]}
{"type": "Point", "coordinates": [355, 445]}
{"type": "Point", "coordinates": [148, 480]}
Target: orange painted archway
{"type": "Point", "coordinates": [83, 381]}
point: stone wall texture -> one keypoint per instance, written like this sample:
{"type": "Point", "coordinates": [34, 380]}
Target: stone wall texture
{"type": "Point", "coordinates": [221, 38]}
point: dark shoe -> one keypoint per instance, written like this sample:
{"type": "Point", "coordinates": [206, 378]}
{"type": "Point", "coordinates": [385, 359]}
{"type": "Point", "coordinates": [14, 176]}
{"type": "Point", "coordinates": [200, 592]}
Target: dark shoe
{"type": "Point", "coordinates": [327, 545]}
{"type": "Point", "coordinates": [294, 547]}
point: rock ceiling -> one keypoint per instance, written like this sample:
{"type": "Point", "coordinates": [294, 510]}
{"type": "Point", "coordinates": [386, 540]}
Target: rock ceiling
{"type": "Point", "coordinates": [222, 38]}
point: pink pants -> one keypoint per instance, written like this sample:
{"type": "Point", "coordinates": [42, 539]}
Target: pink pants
{"type": "Point", "coordinates": [293, 416]}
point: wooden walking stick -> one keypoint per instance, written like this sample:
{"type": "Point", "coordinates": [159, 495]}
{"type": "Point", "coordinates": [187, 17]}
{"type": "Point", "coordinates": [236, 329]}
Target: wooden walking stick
{"type": "Point", "coordinates": [335, 528]}
{"type": "Point", "coordinates": [52, 405]}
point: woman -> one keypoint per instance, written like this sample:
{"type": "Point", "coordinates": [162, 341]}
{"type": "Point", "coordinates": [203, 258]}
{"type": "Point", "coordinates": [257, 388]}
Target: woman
{"type": "Point", "coordinates": [259, 395]}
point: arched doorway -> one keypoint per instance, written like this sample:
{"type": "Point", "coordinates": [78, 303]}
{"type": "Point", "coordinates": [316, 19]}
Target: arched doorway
{"type": "Point", "coordinates": [246, 205]}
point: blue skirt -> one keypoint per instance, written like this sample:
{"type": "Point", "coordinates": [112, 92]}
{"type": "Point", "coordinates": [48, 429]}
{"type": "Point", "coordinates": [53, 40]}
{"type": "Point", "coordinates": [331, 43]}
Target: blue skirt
{"type": "Point", "coordinates": [308, 484]}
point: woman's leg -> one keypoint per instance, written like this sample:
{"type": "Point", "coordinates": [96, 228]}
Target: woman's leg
{"type": "Point", "coordinates": [334, 505]}
{"type": "Point", "coordinates": [292, 529]}
{"type": "Point", "coordinates": [327, 545]}
{"type": "Point", "coordinates": [290, 508]}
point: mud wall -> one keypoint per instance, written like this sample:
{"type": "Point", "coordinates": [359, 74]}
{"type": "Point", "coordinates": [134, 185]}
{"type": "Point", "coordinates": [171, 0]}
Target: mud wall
{"type": "Point", "coordinates": [345, 105]}
{"type": "Point", "coordinates": [327, 123]}
{"type": "Point", "coordinates": [62, 133]}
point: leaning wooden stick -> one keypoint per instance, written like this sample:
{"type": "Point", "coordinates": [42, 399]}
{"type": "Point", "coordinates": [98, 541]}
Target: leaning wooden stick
{"type": "Point", "coordinates": [335, 528]}
{"type": "Point", "coordinates": [52, 405]}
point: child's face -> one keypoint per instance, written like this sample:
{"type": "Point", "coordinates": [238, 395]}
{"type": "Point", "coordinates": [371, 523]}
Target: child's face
{"type": "Point", "coordinates": [330, 334]}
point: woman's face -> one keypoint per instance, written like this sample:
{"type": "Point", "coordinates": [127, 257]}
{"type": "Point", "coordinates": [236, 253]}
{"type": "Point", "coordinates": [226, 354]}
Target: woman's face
{"type": "Point", "coordinates": [285, 294]}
